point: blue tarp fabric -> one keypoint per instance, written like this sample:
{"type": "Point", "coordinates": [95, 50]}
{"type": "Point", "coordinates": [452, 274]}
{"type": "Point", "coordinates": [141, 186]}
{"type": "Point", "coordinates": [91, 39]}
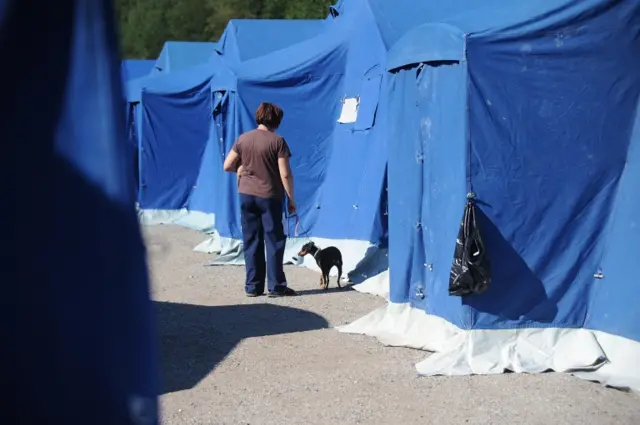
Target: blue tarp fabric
{"type": "Point", "coordinates": [245, 39]}
{"type": "Point", "coordinates": [191, 61]}
{"type": "Point", "coordinates": [136, 68]}
{"type": "Point", "coordinates": [173, 176]}
{"type": "Point", "coordinates": [536, 113]}
{"type": "Point", "coordinates": [187, 68]}
{"type": "Point", "coordinates": [81, 345]}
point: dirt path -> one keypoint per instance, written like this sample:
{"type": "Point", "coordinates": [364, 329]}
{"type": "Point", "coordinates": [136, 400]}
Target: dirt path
{"type": "Point", "coordinates": [228, 359]}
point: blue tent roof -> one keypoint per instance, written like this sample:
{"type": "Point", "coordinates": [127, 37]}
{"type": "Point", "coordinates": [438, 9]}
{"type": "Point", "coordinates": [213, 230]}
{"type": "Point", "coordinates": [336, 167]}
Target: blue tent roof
{"type": "Point", "coordinates": [135, 68]}
{"type": "Point", "coordinates": [177, 76]}
{"type": "Point", "coordinates": [245, 39]}
{"type": "Point", "coordinates": [491, 16]}
{"type": "Point", "coordinates": [178, 55]}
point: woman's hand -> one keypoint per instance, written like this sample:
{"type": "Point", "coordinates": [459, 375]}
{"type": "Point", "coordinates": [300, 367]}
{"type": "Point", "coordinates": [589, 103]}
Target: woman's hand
{"type": "Point", "coordinates": [239, 171]}
{"type": "Point", "coordinates": [291, 206]}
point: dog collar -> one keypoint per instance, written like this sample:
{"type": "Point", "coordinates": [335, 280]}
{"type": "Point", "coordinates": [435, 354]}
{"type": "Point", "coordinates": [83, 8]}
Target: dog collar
{"type": "Point", "coordinates": [317, 252]}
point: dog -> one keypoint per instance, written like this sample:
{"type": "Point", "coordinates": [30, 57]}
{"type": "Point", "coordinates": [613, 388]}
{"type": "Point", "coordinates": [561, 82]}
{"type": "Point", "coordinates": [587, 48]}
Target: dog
{"type": "Point", "coordinates": [325, 258]}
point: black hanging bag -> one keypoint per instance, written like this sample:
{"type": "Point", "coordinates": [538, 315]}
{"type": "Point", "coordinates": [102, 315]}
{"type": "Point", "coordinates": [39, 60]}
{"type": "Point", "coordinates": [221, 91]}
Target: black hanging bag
{"type": "Point", "coordinates": [471, 270]}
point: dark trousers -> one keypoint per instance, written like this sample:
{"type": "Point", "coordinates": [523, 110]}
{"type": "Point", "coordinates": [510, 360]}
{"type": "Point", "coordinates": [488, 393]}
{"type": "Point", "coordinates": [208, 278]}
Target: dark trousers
{"type": "Point", "coordinates": [262, 223]}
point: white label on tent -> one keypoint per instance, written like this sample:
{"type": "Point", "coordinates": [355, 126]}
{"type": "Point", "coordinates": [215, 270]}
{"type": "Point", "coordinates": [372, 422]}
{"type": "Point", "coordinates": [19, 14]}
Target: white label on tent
{"type": "Point", "coordinates": [349, 110]}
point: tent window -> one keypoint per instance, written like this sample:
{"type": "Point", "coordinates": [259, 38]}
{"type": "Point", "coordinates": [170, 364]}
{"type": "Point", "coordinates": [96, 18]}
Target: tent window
{"type": "Point", "coordinates": [349, 112]}
{"type": "Point", "coordinates": [369, 97]}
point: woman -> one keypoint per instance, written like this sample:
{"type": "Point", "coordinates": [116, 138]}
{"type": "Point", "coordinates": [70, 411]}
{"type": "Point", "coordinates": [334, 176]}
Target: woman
{"type": "Point", "coordinates": [261, 159]}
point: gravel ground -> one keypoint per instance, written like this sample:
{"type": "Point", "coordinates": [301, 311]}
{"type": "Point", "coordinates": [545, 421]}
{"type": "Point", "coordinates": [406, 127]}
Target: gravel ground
{"type": "Point", "coordinates": [228, 359]}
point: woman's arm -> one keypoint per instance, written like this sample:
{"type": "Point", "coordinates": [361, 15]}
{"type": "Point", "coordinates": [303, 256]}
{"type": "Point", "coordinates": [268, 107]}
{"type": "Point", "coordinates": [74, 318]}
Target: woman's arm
{"type": "Point", "coordinates": [231, 162]}
{"type": "Point", "coordinates": [286, 176]}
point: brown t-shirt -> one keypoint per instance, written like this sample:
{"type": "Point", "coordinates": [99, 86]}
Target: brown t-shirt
{"type": "Point", "coordinates": [259, 151]}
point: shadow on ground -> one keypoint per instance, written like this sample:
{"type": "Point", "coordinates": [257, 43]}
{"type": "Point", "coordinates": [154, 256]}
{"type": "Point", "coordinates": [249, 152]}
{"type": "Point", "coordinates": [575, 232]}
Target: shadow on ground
{"type": "Point", "coordinates": [194, 338]}
{"type": "Point", "coordinates": [332, 289]}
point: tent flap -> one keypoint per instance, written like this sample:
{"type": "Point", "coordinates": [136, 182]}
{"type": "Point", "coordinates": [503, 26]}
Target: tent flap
{"type": "Point", "coordinates": [427, 43]}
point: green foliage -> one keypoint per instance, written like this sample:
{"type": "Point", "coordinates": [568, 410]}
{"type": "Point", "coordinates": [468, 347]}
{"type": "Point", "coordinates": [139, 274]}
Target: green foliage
{"type": "Point", "coordinates": [145, 25]}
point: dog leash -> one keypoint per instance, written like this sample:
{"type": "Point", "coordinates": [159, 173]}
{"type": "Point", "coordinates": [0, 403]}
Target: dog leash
{"type": "Point", "coordinates": [297, 233]}
{"type": "Point", "coordinates": [298, 227]}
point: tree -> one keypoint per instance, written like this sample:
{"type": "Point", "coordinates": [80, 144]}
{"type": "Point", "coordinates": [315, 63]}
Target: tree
{"type": "Point", "coordinates": [296, 9]}
{"type": "Point", "coordinates": [145, 25]}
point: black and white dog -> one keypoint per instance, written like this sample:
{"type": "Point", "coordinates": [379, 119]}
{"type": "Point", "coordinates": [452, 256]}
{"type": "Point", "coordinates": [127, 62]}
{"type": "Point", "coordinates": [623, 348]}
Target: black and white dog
{"type": "Point", "coordinates": [326, 259]}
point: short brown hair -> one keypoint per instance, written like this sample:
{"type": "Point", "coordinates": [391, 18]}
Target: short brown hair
{"type": "Point", "coordinates": [269, 115]}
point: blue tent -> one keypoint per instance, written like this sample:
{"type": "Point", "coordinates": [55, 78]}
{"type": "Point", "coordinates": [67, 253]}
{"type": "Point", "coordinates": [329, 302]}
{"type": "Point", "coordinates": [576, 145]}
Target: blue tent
{"type": "Point", "coordinates": [187, 60]}
{"type": "Point", "coordinates": [532, 106]}
{"type": "Point", "coordinates": [135, 68]}
{"type": "Point", "coordinates": [81, 344]}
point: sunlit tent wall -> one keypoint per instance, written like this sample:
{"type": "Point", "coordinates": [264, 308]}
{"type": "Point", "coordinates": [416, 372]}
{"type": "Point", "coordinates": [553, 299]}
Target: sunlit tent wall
{"type": "Point", "coordinates": [245, 39]}
{"type": "Point", "coordinates": [532, 106]}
